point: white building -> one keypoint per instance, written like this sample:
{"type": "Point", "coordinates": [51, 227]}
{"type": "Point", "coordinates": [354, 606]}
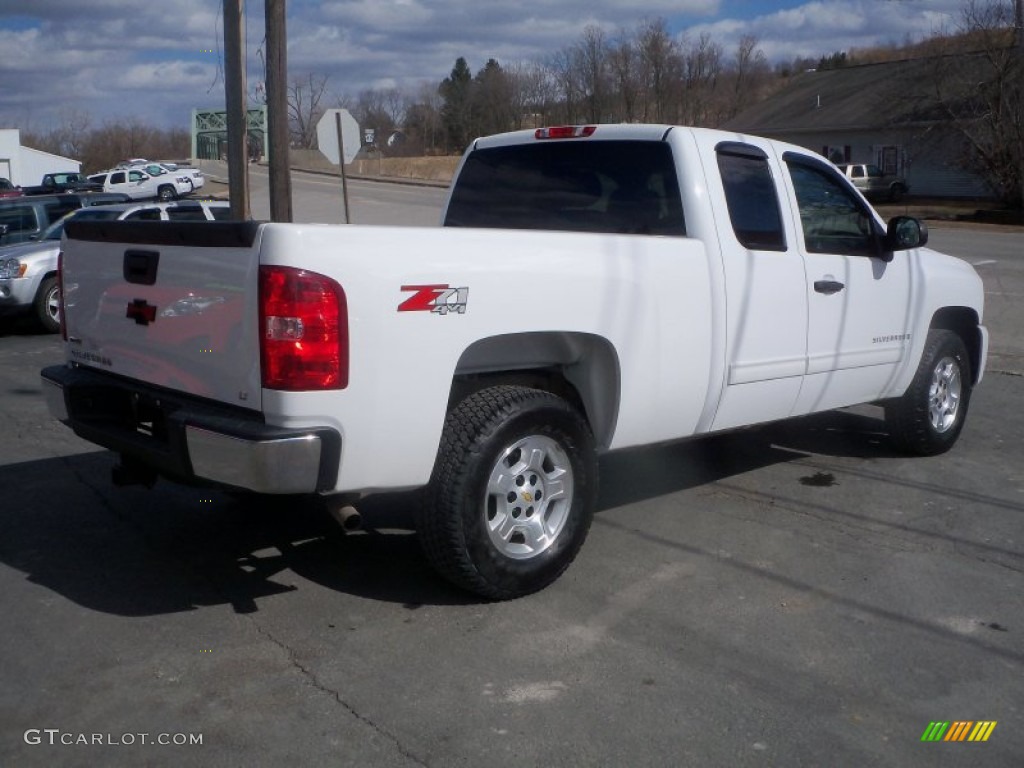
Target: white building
{"type": "Point", "coordinates": [24, 166]}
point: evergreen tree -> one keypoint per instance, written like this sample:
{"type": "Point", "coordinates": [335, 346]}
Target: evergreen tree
{"type": "Point", "coordinates": [457, 112]}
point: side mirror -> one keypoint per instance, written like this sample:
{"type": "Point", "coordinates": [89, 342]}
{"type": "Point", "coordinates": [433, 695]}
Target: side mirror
{"type": "Point", "coordinates": [904, 233]}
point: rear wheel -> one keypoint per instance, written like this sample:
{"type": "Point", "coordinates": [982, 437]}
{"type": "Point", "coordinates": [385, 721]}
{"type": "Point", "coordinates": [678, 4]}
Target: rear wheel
{"type": "Point", "coordinates": [47, 305]}
{"type": "Point", "coordinates": [513, 492]}
{"type": "Point", "coordinates": [928, 418]}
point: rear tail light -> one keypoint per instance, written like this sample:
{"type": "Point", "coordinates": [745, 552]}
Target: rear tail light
{"type": "Point", "coordinates": [303, 330]}
{"type": "Point", "coordinates": [565, 132]}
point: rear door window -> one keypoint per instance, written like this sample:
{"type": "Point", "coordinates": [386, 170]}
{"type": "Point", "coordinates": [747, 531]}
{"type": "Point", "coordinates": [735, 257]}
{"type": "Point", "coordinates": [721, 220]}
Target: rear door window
{"type": "Point", "coordinates": [751, 197]}
{"type": "Point", "coordinates": [190, 213]}
{"type": "Point", "coordinates": [626, 187]}
{"type": "Point", "coordinates": [15, 220]}
{"type": "Point", "coordinates": [61, 208]}
{"type": "Point", "coordinates": [144, 214]}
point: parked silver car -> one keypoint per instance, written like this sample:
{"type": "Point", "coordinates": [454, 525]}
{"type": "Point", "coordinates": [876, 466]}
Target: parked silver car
{"type": "Point", "coordinates": [28, 271]}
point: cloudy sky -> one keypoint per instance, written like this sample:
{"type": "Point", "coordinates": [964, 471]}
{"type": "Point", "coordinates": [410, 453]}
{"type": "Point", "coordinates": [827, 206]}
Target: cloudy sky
{"type": "Point", "coordinates": [114, 59]}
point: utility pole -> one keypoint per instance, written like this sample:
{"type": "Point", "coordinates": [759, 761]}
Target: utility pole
{"type": "Point", "coordinates": [277, 111]}
{"type": "Point", "coordinates": [1018, 49]}
{"type": "Point", "coordinates": [1018, 32]}
{"type": "Point", "coordinates": [1018, 25]}
{"type": "Point", "coordinates": [234, 93]}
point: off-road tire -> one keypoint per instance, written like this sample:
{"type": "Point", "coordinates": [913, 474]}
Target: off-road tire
{"type": "Point", "coordinates": [512, 494]}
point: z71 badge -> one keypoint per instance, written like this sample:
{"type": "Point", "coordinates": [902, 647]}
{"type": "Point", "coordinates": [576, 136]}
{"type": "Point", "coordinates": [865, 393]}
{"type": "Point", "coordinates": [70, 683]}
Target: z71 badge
{"type": "Point", "coordinates": [440, 299]}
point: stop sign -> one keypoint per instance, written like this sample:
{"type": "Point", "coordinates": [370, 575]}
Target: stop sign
{"type": "Point", "coordinates": [327, 135]}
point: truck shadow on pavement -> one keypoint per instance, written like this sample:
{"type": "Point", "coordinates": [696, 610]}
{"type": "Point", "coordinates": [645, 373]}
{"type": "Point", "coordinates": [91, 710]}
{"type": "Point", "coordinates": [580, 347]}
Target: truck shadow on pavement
{"type": "Point", "coordinates": [20, 326]}
{"type": "Point", "coordinates": [133, 552]}
{"type": "Point", "coordinates": [637, 474]}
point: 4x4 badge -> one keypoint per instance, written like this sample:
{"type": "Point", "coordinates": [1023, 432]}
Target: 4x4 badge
{"type": "Point", "coordinates": [439, 299]}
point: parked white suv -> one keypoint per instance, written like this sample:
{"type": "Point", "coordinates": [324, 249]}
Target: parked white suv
{"type": "Point", "coordinates": [139, 185]}
{"type": "Point", "coordinates": [193, 176]}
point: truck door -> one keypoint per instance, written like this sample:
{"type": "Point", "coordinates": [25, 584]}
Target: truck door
{"type": "Point", "coordinates": [858, 303]}
{"type": "Point", "coordinates": [766, 306]}
{"type": "Point", "coordinates": [117, 182]}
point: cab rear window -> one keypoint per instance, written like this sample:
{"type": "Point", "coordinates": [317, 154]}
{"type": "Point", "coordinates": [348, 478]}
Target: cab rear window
{"type": "Point", "coordinates": [626, 187]}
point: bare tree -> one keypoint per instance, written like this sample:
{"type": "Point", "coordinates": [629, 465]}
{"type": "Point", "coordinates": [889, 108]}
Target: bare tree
{"type": "Point", "coordinates": [624, 67]}
{"type": "Point", "coordinates": [534, 94]}
{"type": "Point", "coordinates": [660, 66]}
{"type": "Point", "coordinates": [382, 110]}
{"type": "Point", "coordinates": [567, 77]}
{"type": "Point", "coordinates": [423, 119]}
{"type": "Point", "coordinates": [304, 110]}
{"type": "Point", "coordinates": [980, 95]}
{"type": "Point", "coordinates": [394, 105]}
{"type": "Point", "coordinates": [702, 68]}
{"type": "Point", "coordinates": [590, 59]}
{"type": "Point", "coordinates": [751, 70]}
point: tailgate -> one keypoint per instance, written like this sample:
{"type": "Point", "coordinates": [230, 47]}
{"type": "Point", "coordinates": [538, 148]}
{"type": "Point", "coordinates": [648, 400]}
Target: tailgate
{"type": "Point", "coordinates": [172, 304]}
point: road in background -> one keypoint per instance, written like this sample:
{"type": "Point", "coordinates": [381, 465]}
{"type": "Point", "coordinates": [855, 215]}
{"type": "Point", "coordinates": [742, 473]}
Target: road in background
{"type": "Point", "coordinates": [317, 198]}
{"type": "Point", "coordinates": [998, 255]}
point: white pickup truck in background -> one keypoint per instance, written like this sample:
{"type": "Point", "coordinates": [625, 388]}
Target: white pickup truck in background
{"type": "Point", "coordinates": [594, 288]}
{"type": "Point", "coordinates": [140, 185]}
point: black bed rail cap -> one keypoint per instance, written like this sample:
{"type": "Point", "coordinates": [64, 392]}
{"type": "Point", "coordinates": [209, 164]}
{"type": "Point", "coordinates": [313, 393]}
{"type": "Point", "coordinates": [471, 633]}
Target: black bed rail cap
{"type": "Point", "coordinates": [196, 234]}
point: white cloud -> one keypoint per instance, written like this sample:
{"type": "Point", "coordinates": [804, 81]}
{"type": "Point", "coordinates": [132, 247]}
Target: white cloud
{"type": "Point", "coordinates": [378, 14]}
{"type": "Point", "coordinates": [822, 27]}
{"type": "Point", "coordinates": [165, 76]}
{"type": "Point", "coordinates": [158, 60]}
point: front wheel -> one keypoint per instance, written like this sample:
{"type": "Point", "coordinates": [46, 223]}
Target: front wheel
{"type": "Point", "coordinates": [513, 492]}
{"type": "Point", "coordinates": [928, 418]}
{"type": "Point", "coordinates": [167, 193]}
{"type": "Point", "coordinates": [47, 305]}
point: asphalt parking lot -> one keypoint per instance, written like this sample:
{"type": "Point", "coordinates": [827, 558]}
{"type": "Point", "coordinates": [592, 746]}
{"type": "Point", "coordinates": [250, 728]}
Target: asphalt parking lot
{"type": "Point", "coordinates": [795, 595]}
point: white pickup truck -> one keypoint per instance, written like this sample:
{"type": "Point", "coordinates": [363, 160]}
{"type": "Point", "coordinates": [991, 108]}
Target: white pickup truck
{"type": "Point", "coordinates": [140, 185]}
{"type": "Point", "coordinates": [594, 288]}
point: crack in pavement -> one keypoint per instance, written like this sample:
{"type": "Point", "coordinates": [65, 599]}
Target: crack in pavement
{"type": "Point", "coordinates": [314, 681]}
{"type": "Point", "coordinates": [226, 593]}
